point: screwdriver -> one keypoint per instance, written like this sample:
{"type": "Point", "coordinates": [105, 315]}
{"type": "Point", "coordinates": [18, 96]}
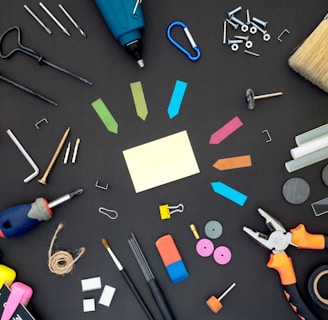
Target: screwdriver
{"type": "Point", "coordinates": [17, 220]}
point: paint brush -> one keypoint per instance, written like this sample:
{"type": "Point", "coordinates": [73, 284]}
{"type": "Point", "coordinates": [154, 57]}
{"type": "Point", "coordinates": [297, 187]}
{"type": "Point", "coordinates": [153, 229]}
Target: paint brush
{"type": "Point", "coordinates": [150, 278]}
{"type": "Point", "coordinates": [310, 58]}
{"type": "Point", "coordinates": [127, 279]}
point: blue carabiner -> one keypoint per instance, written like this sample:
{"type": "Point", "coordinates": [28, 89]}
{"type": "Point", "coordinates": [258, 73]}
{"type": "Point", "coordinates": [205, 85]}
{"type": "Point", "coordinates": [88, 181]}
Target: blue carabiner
{"type": "Point", "coordinates": [190, 38]}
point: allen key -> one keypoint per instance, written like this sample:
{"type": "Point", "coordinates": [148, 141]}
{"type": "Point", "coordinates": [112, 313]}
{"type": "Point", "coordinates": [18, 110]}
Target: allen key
{"type": "Point", "coordinates": [26, 155]}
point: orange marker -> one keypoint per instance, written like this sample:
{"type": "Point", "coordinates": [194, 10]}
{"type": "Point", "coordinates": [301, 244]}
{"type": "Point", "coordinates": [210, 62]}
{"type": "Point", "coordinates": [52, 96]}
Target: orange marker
{"type": "Point", "coordinates": [215, 303]}
{"type": "Point", "coordinates": [233, 163]}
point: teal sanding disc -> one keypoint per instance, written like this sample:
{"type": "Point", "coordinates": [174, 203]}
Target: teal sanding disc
{"type": "Point", "coordinates": [296, 190]}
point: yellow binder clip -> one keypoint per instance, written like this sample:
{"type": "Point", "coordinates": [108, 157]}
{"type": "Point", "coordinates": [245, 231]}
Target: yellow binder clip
{"type": "Point", "coordinates": [165, 210]}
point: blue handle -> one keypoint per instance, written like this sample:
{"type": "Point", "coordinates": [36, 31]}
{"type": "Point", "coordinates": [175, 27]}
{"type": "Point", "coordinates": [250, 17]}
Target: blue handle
{"type": "Point", "coordinates": [16, 221]}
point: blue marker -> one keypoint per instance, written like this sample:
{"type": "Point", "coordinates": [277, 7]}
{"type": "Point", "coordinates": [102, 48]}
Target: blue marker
{"type": "Point", "coordinates": [125, 19]}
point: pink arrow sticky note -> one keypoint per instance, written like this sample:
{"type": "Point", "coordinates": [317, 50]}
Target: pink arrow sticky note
{"type": "Point", "coordinates": [225, 131]}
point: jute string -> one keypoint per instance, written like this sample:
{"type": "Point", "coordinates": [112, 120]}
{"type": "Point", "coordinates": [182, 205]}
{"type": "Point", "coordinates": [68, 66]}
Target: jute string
{"type": "Point", "coordinates": [62, 262]}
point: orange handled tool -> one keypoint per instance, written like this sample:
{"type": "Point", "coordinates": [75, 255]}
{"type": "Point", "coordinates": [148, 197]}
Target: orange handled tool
{"type": "Point", "coordinates": [277, 241]}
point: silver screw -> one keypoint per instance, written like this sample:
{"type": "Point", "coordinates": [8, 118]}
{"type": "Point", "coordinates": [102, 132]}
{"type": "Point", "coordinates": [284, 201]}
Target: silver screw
{"type": "Point", "coordinates": [232, 12]}
{"type": "Point", "coordinates": [248, 18]}
{"type": "Point", "coordinates": [234, 25]}
{"type": "Point", "coordinates": [224, 32]}
{"type": "Point", "coordinates": [244, 26]}
{"type": "Point", "coordinates": [245, 38]}
{"type": "Point", "coordinates": [259, 21]}
{"type": "Point", "coordinates": [238, 41]}
{"type": "Point", "coordinates": [258, 28]}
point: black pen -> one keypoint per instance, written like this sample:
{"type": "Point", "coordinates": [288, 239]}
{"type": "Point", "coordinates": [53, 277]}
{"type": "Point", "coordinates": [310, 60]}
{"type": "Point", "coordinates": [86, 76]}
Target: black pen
{"type": "Point", "coordinates": [127, 279]}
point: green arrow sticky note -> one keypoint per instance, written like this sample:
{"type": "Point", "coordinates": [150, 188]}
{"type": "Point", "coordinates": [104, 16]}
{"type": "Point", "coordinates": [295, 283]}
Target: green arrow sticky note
{"type": "Point", "coordinates": [139, 99]}
{"type": "Point", "coordinates": [105, 115]}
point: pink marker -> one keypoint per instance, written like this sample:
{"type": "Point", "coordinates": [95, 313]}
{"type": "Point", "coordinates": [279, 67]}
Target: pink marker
{"type": "Point", "coordinates": [20, 293]}
{"type": "Point", "coordinates": [225, 131]}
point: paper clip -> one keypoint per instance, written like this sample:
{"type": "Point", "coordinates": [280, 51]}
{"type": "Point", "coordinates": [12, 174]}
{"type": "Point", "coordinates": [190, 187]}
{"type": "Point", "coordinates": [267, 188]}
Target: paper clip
{"type": "Point", "coordinates": [111, 214]}
{"type": "Point", "coordinates": [190, 38]}
{"type": "Point", "coordinates": [164, 210]}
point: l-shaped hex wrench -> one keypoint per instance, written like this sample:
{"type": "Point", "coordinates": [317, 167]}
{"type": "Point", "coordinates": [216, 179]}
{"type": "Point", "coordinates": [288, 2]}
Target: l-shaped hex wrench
{"type": "Point", "coordinates": [26, 155]}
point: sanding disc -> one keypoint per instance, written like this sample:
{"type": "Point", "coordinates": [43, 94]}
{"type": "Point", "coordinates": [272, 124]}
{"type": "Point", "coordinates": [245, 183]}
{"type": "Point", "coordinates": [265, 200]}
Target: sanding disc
{"type": "Point", "coordinates": [213, 229]}
{"type": "Point", "coordinates": [222, 255]}
{"type": "Point", "coordinates": [296, 190]}
{"type": "Point", "coordinates": [204, 247]}
{"type": "Point", "coordinates": [324, 175]}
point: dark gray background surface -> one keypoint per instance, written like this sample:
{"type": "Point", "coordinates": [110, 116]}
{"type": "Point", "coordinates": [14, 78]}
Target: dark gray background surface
{"type": "Point", "coordinates": [215, 94]}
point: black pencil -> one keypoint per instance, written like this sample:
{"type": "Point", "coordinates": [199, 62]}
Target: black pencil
{"type": "Point", "coordinates": [127, 279]}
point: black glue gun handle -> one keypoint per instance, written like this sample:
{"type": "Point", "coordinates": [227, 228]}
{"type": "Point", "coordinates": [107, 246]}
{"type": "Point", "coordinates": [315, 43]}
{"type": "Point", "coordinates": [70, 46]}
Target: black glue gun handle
{"type": "Point", "coordinates": [160, 300]}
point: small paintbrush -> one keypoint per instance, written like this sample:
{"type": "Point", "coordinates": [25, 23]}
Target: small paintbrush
{"type": "Point", "coordinates": [149, 276]}
{"type": "Point", "coordinates": [127, 279]}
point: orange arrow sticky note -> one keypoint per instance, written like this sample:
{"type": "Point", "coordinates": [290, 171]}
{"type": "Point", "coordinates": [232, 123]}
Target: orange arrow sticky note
{"type": "Point", "coordinates": [233, 163]}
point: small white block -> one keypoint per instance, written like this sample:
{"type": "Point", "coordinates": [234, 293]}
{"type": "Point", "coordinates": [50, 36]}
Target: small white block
{"type": "Point", "coordinates": [91, 284]}
{"type": "Point", "coordinates": [89, 305]}
{"type": "Point", "coordinates": [107, 296]}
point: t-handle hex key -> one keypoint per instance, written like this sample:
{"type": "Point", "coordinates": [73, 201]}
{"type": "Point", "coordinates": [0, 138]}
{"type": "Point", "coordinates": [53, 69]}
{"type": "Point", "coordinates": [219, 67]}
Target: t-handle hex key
{"type": "Point", "coordinates": [28, 90]}
{"type": "Point", "coordinates": [30, 52]}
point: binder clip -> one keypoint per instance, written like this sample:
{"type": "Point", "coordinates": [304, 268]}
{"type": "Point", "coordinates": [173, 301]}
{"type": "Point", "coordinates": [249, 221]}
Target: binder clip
{"type": "Point", "coordinates": [165, 210]}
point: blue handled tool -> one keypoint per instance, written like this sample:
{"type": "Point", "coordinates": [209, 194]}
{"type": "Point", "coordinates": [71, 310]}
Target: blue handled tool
{"type": "Point", "coordinates": [17, 220]}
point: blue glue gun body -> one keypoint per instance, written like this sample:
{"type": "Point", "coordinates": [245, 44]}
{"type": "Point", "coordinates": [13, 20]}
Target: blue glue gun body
{"type": "Point", "coordinates": [125, 25]}
{"type": "Point", "coordinates": [17, 220]}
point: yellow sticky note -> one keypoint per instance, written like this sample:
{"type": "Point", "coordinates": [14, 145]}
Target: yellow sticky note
{"type": "Point", "coordinates": [161, 161]}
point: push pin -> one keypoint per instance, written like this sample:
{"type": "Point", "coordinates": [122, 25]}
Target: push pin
{"type": "Point", "coordinates": [250, 97]}
{"type": "Point", "coordinates": [215, 303]}
{"type": "Point", "coordinates": [165, 210]}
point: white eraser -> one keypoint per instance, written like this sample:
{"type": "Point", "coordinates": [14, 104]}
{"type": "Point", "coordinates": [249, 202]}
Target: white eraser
{"type": "Point", "coordinates": [91, 284]}
{"type": "Point", "coordinates": [89, 305]}
{"type": "Point", "coordinates": [107, 296]}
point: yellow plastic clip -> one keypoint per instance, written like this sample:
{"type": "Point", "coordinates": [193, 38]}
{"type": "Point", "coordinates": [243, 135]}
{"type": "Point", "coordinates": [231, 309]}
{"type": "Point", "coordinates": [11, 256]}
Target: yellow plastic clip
{"type": "Point", "coordinates": [7, 275]}
{"type": "Point", "coordinates": [165, 212]}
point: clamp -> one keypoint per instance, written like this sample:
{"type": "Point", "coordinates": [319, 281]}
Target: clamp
{"type": "Point", "coordinates": [278, 241]}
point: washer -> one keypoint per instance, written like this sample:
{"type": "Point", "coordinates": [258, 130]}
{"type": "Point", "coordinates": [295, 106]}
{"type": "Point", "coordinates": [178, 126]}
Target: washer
{"type": "Point", "coordinates": [296, 190]}
{"type": "Point", "coordinates": [213, 229]}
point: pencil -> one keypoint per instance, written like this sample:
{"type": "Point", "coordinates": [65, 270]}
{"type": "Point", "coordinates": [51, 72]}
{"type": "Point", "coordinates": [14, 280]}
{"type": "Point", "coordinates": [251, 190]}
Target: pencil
{"type": "Point", "coordinates": [127, 279]}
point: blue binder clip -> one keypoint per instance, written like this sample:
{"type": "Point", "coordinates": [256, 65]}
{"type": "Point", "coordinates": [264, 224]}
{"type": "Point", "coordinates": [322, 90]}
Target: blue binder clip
{"type": "Point", "coordinates": [190, 38]}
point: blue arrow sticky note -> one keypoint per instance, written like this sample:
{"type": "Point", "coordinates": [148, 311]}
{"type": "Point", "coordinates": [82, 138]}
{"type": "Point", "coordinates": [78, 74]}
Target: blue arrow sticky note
{"type": "Point", "coordinates": [229, 193]}
{"type": "Point", "coordinates": [176, 98]}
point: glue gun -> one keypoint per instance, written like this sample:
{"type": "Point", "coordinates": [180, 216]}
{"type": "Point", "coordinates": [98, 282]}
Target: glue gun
{"type": "Point", "coordinates": [125, 19]}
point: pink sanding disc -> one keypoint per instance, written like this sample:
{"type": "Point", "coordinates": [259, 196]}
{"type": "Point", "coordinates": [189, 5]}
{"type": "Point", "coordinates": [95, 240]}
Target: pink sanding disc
{"type": "Point", "coordinates": [222, 255]}
{"type": "Point", "coordinates": [204, 247]}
